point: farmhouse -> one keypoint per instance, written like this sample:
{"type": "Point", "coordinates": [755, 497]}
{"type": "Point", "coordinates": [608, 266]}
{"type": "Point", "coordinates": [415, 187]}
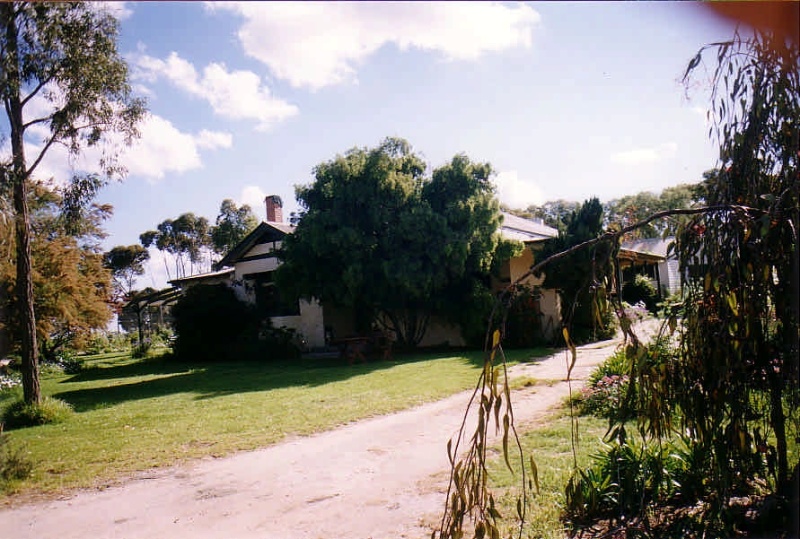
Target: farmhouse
{"type": "Point", "coordinates": [248, 268]}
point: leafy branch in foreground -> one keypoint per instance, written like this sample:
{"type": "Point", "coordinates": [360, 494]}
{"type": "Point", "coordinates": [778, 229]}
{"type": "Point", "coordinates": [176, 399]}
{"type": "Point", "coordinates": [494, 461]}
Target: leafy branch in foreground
{"type": "Point", "coordinates": [469, 497]}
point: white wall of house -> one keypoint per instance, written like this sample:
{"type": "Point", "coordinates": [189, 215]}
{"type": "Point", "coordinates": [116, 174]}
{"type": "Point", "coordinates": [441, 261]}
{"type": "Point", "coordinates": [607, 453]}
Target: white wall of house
{"type": "Point", "coordinates": [310, 323]}
{"type": "Point", "coordinates": [670, 276]}
{"type": "Point", "coordinates": [255, 266]}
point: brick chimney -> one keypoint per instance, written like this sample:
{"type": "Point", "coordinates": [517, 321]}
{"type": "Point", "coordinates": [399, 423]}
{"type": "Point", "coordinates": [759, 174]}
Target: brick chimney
{"type": "Point", "coordinates": [274, 209]}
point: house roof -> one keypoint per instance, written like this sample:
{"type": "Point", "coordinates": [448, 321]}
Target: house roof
{"type": "Point", "coordinates": [649, 246]}
{"type": "Point", "coordinates": [525, 230]}
{"type": "Point", "coordinates": [200, 276]}
{"type": "Point", "coordinates": [156, 298]}
{"type": "Point", "coordinates": [265, 232]}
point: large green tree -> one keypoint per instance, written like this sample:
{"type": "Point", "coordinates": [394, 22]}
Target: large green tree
{"type": "Point", "coordinates": [581, 278]}
{"type": "Point", "coordinates": [378, 236]}
{"type": "Point", "coordinates": [60, 73]}
{"type": "Point", "coordinates": [232, 225]}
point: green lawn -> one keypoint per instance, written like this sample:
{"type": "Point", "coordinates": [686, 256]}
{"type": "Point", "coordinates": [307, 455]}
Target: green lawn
{"type": "Point", "coordinates": [551, 447]}
{"type": "Point", "coordinates": [136, 414]}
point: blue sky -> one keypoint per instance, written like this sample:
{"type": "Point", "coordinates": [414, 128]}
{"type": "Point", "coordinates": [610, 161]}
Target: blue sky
{"type": "Point", "coordinates": [565, 100]}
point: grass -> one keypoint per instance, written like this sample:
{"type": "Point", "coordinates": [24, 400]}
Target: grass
{"type": "Point", "coordinates": [551, 447]}
{"type": "Point", "coordinates": [132, 415]}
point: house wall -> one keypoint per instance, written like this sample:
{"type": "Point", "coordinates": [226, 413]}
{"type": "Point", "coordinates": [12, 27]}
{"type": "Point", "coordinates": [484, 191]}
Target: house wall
{"type": "Point", "coordinates": [670, 276]}
{"type": "Point", "coordinates": [255, 266]}
{"type": "Point", "coordinates": [441, 333]}
{"type": "Point", "coordinates": [310, 323]}
{"type": "Point", "coordinates": [550, 303]}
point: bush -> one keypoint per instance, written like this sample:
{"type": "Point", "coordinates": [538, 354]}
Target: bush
{"type": "Point", "coordinates": [102, 342]}
{"type": "Point", "coordinates": [211, 324]}
{"type": "Point", "coordinates": [605, 397]}
{"type": "Point", "coordinates": [524, 321]}
{"type": "Point", "coordinates": [208, 321]}
{"type": "Point", "coordinates": [64, 361]}
{"type": "Point", "coordinates": [608, 392]}
{"type": "Point", "coordinates": [21, 414]}
{"type": "Point", "coordinates": [641, 289]}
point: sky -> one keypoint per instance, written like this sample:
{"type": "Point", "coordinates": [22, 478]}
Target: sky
{"type": "Point", "coordinates": [565, 100]}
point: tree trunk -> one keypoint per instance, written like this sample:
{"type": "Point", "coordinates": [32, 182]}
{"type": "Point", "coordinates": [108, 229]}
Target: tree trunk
{"type": "Point", "coordinates": [24, 288]}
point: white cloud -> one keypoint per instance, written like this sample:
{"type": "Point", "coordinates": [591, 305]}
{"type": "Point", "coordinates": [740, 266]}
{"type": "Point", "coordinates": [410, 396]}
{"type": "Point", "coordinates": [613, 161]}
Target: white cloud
{"type": "Point", "coordinates": [120, 10]}
{"type": "Point", "coordinates": [237, 95]}
{"type": "Point", "coordinates": [161, 149]}
{"type": "Point", "coordinates": [211, 140]}
{"type": "Point", "coordinates": [645, 155]}
{"type": "Point", "coordinates": [315, 44]}
{"type": "Point", "coordinates": [254, 196]}
{"type": "Point", "coordinates": [515, 192]}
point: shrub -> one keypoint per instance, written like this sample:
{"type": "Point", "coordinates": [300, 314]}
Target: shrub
{"type": "Point", "coordinates": [21, 414]}
{"type": "Point", "coordinates": [64, 361]}
{"type": "Point", "coordinates": [524, 321]}
{"type": "Point", "coordinates": [623, 480]}
{"type": "Point", "coordinates": [102, 342]}
{"type": "Point", "coordinates": [617, 364]}
{"type": "Point", "coordinates": [606, 387]}
{"type": "Point", "coordinates": [605, 397]}
{"type": "Point", "coordinates": [212, 324]}
{"type": "Point", "coordinates": [208, 321]}
{"type": "Point", "coordinates": [641, 289]}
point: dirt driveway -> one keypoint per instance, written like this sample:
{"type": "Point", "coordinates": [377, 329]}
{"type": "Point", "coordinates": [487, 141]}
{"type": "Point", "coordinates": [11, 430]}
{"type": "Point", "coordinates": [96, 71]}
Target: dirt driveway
{"type": "Point", "coordinates": [380, 478]}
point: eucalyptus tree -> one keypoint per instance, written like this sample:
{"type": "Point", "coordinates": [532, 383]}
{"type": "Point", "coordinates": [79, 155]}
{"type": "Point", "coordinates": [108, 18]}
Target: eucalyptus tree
{"type": "Point", "coordinates": [630, 209]}
{"type": "Point", "coordinates": [187, 238]}
{"type": "Point", "coordinates": [62, 80]}
{"type": "Point", "coordinates": [126, 262]}
{"type": "Point", "coordinates": [233, 223]}
{"type": "Point", "coordinates": [740, 266]}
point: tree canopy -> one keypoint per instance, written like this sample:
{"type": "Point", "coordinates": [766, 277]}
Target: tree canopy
{"type": "Point", "coordinates": [187, 238]}
{"type": "Point", "coordinates": [126, 262]}
{"type": "Point", "coordinates": [232, 225]}
{"type": "Point", "coordinates": [71, 285]}
{"type": "Point", "coordinates": [380, 237]}
{"type": "Point", "coordinates": [60, 73]}
{"type": "Point", "coordinates": [582, 277]}
{"type": "Point", "coordinates": [630, 209]}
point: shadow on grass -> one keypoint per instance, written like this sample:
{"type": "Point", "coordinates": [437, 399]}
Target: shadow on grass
{"type": "Point", "coordinates": [162, 376]}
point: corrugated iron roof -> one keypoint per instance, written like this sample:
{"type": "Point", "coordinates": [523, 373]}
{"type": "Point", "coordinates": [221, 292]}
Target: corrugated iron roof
{"type": "Point", "coordinates": [525, 230]}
